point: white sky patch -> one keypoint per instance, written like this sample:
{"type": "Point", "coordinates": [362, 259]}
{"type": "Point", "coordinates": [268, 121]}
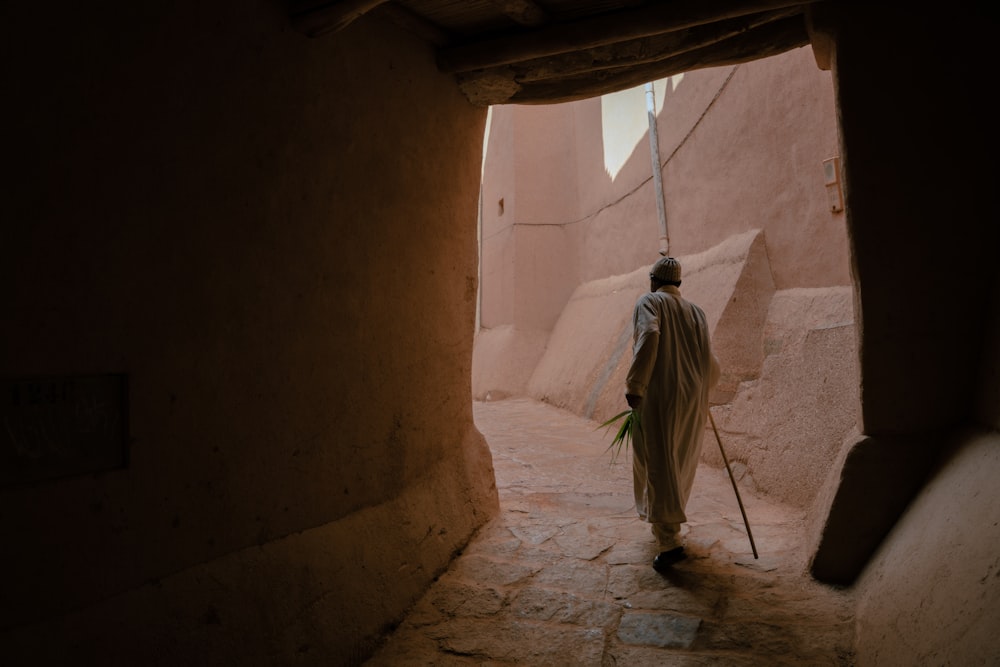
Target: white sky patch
{"type": "Point", "coordinates": [486, 141]}
{"type": "Point", "coordinates": [624, 122]}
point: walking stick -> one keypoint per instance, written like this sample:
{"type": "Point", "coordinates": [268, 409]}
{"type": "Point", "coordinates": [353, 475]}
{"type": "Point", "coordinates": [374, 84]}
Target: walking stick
{"type": "Point", "coordinates": [733, 480]}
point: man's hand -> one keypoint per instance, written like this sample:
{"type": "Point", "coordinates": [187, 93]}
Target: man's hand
{"type": "Point", "coordinates": [634, 402]}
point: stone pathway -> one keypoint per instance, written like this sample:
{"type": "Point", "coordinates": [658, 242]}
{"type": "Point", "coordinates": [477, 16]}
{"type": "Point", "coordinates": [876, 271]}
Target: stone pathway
{"type": "Point", "coordinates": [563, 577]}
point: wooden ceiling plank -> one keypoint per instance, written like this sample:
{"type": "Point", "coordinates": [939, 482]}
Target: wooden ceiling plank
{"type": "Point", "coordinates": [771, 39]}
{"type": "Point", "coordinates": [645, 21]}
{"type": "Point", "coordinates": [332, 16]}
{"type": "Point", "coordinates": [417, 25]}
{"type": "Point", "coordinates": [524, 12]}
{"type": "Point", "coordinates": [643, 51]}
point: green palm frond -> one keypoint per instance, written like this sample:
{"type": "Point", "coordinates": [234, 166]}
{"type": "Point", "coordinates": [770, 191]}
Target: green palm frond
{"type": "Point", "coordinates": [625, 431]}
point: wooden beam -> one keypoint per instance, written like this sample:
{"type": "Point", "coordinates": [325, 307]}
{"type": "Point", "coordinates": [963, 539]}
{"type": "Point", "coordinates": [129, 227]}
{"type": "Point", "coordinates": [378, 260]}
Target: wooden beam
{"type": "Point", "coordinates": [820, 22]}
{"type": "Point", "coordinates": [646, 21]}
{"type": "Point", "coordinates": [410, 22]}
{"type": "Point", "coordinates": [642, 51]}
{"type": "Point", "coordinates": [328, 17]}
{"type": "Point", "coordinates": [768, 40]}
{"type": "Point", "coordinates": [524, 12]}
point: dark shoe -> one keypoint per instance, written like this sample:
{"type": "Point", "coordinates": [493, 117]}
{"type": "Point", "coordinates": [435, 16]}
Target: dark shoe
{"type": "Point", "coordinates": [665, 559]}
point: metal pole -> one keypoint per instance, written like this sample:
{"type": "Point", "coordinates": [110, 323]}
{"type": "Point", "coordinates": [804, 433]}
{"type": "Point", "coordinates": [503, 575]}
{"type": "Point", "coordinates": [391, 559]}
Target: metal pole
{"type": "Point", "coordinates": [654, 152]}
{"type": "Point", "coordinates": [733, 480]}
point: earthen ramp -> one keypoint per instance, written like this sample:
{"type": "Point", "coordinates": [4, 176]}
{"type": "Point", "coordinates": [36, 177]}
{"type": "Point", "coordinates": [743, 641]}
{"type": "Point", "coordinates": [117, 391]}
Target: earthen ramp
{"type": "Point", "coordinates": [584, 364]}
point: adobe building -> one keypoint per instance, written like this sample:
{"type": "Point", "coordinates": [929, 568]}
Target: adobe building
{"type": "Point", "coordinates": [570, 226]}
{"type": "Point", "coordinates": [240, 272]}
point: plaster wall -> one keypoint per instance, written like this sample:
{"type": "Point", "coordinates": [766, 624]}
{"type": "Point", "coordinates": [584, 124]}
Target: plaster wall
{"type": "Point", "coordinates": [233, 215]}
{"type": "Point", "coordinates": [746, 146]}
{"type": "Point", "coordinates": [544, 272]}
{"type": "Point", "coordinates": [499, 203]}
{"type": "Point", "coordinates": [511, 355]}
{"type": "Point", "coordinates": [544, 153]}
{"type": "Point", "coordinates": [931, 594]}
{"type": "Point", "coordinates": [742, 148]}
{"type": "Point", "coordinates": [618, 217]}
{"type": "Point", "coordinates": [785, 428]}
{"type": "Point", "coordinates": [529, 188]}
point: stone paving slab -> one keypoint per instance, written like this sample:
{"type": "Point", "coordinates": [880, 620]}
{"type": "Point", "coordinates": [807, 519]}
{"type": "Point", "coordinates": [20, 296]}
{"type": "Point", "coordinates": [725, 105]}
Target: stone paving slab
{"type": "Point", "coordinates": [563, 577]}
{"type": "Point", "coordinates": [651, 628]}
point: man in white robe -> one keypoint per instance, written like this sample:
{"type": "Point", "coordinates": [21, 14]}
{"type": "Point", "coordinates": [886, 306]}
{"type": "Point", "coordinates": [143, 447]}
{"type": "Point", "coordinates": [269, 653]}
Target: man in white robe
{"type": "Point", "coordinates": [673, 368]}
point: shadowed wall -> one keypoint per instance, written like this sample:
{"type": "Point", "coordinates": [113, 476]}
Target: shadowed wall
{"type": "Point", "coordinates": [199, 201]}
{"type": "Point", "coordinates": [915, 130]}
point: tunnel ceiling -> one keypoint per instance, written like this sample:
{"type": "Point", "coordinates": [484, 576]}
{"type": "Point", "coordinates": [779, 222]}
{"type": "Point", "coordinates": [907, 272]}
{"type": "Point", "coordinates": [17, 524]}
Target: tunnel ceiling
{"type": "Point", "coordinates": [547, 51]}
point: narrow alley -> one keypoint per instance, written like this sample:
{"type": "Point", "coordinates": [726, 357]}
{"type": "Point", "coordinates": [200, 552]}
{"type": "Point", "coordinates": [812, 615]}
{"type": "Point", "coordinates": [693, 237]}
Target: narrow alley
{"type": "Point", "coordinates": [562, 575]}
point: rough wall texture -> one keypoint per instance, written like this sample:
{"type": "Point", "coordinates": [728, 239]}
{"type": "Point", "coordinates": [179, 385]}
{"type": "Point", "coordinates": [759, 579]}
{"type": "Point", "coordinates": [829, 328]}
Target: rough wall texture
{"type": "Point", "coordinates": [786, 428]}
{"type": "Point", "coordinates": [931, 595]}
{"type": "Point", "coordinates": [747, 145]}
{"type": "Point", "coordinates": [499, 206]}
{"type": "Point", "coordinates": [581, 369]}
{"type": "Point", "coordinates": [506, 357]}
{"type": "Point", "coordinates": [235, 216]}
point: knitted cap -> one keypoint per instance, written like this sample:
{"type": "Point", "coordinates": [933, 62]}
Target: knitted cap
{"type": "Point", "coordinates": [666, 269]}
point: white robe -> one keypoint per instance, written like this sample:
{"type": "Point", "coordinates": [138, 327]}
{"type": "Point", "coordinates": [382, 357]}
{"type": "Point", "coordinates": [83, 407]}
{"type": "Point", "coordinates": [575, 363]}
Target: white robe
{"type": "Point", "coordinates": [673, 368]}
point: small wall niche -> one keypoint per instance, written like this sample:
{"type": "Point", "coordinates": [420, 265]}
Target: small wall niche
{"type": "Point", "coordinates": [63, 425]}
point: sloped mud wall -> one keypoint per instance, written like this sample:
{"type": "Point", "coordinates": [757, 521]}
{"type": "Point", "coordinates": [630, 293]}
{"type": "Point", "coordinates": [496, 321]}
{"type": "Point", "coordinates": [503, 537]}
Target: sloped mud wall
{"type": "Point", "coordinates": [787, 399]}
{"type": "Point", "coordinates": [786, 427]}
{"type": "Point", "coordinates": [587, 356]}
